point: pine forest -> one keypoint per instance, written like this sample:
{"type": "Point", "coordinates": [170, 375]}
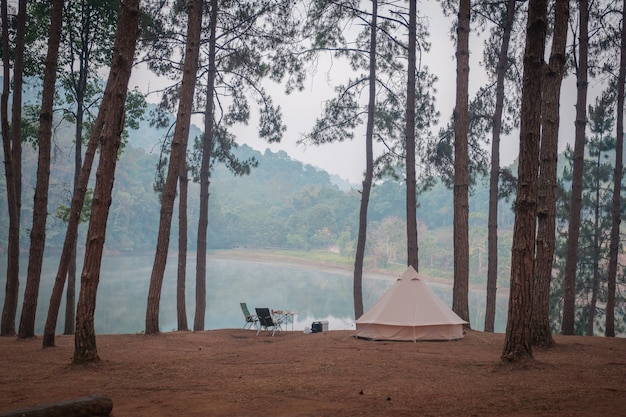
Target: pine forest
{"type": "Point", "coordinates": [490, 153]}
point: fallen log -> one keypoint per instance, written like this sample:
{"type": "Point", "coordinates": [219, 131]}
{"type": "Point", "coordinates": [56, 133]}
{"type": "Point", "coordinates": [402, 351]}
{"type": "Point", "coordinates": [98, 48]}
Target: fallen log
{"type": "Point", "coordinates": [96, 405]}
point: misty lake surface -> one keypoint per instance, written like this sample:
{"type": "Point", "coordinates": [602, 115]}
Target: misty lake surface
{"type": "Point", "coordinates": [314, 294]}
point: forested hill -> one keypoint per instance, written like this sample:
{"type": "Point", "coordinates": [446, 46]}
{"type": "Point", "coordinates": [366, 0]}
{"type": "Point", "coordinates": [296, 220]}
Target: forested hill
{"type": "Point", "coordinates": [282, 204]}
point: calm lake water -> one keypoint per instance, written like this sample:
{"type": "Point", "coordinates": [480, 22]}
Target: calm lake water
{"type": "Point", "coordinates": [313, 294]}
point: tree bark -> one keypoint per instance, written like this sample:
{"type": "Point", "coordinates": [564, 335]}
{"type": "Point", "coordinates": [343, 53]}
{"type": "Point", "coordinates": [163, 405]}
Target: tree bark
{"type": "Point", "coordinates": [40, 205]}
{"type": "Point", "coordinates": [178, 153]}
{"type": "Point", "coordinates": [569, 281]}
{"type": "Point", "coordinates": [369, 170]}
{"type": "Point", "coordinates": [181, 305]}
{"type": "Point", "coordinates": [207, 153]}
{"type": "Point", "coordinates": [492, 226]}
{"type": "Point", "coordinates": [85, 349]}
{"type": "Point", "coordinates": [70, 298]}
{"type": "Point", "coordinates": [546, 203]}
{"type": "Point", "coordinates": [595, 283]}
{"type": "Point", "coordinates": [411, 192]}
{"type": "Point", "coordinates": [7, 327]}
{"type": "Point", "coordinates": [70, 292]}
{"type": "Point", "coordinates": [518, 343]}
{"type": "Point", "coordinates": [460, 289]}
{"type": "Point", "coordinates": [12, 140]}
{"type": "Point", "coordinates": [617, 181]}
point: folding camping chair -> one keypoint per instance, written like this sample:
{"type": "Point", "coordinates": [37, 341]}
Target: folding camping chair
{"type": "Point", "coordinates": [267, 321]}
{"type": "Point", "coordinates": [251, 319]}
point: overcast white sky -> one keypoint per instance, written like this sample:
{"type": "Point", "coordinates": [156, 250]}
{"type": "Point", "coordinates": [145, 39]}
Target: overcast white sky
{"type": "Point", "coordinates": [347, 159]}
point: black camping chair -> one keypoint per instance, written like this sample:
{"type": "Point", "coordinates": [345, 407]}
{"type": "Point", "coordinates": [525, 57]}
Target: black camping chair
{"type": "Point", "coordinates": [267, 321]}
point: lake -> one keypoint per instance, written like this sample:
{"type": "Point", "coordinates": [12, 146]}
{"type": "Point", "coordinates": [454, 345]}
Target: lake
{"type": "Point", "coordinates": [314, 294]}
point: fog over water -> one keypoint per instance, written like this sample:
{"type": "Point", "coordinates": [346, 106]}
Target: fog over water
{"type": "Point", "coordinates": [313, 294]}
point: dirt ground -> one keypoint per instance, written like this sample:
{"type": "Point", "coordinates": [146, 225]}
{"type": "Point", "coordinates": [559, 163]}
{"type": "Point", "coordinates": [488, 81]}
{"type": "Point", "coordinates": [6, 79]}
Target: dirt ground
{"type": "Point", "coordinates": [236, 373]}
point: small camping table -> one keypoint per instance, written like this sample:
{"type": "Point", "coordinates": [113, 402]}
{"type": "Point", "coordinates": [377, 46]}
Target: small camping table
{"type": "Point", "coordinates": [285, 317]}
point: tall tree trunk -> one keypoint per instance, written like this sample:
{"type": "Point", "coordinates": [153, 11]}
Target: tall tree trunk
{"type": "Point", "coordinates": [40, 205]}
{"type": "Point", "coordinates": [177, 154]}
{"type": "Point", "coordinates": [617, 181]}
{"type": "Point", "coordinates": [181, 305]}
{"type": "Point", "coordinates": [70, 297]}
{"type": "Point", "coordinates": [460, 303]}
{"type": "Point", "coordinates": [14, 190]}
{"type": "Point", "coordinates": [85, 349]}
{"type": "Point", "coordinates": [492, 234]}
{"type": "Point", "coordinates": [595, 283]}
{"type": "Point", "coordinates": [411, 192]}
{"type": "Point", "coordinates": [9, 310]}
{"type": "Point", "coordinates": [207, 151]}
{"type": "Point", "coordinates": [369, 170]}
{"type": "Point", "coordinates": [518, 343]}
{"type": "Point", "coordinates": [546, 203]}
{"type": "Point", "coordinates": [569, 281]}
{"type": "Point", "coordinates": [79, 83]}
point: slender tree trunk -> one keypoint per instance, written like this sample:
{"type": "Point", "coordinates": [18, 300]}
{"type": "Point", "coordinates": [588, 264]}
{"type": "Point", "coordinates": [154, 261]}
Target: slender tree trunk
{"type": "Point", "coordinates": [178, 153]}
{"type": "Point", "coordinates": [546, 203]}
{"type": "Point", "coordinates": [518, 340]}
{"type": "Point", "coordinates": [70, 292]}
{"type": "Point", "coordinates": [492, 234]}
{"type": "Point", "coordinates": [70, 297]}
{"type": "Point", "coordinates": [181, 305]}
{"type": "Point", "coordinates": [207, 151]}
{"type": "Point", "coordinates": [85, 349]}
{"type": "Point", "coordinates": [16, 111]}
{"type": "Point", "coordinates": [369, 170]}
{"type": "Point", "coordinates": [569, 281]}
{"type": "Point", "coordinates": [12, 140]}
{"type": "Point", "coordinates": [9, 309]}
{"type": "Point", "coordinates": [617, 181]}
{"type": "Point", "coordinates": [595, 284]}
{"type": "Point", "coordinates": [40, 205]}
{"type": "Point", "coordinates": [411, 192]}
{"type": "Point", "coordinates": [460, 303]}
{"type": "Point", "coordinates": [80, 88]}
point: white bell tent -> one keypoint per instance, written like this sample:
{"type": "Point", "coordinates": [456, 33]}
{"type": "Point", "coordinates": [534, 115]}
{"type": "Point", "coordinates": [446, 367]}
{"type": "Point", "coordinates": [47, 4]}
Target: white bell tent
{"type": "Point", "coordinates": [410, 311]}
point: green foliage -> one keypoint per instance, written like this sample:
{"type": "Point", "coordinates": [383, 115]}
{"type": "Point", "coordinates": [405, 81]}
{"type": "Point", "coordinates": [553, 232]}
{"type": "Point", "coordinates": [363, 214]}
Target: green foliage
{"type": "Point", "coordinates": [592, 262]}
{"type": "Point", "coordinates": [254, 42]}
{"type": "Point", "coordinates": [136, 106]}
{"type": "Point", "coordinates": [63, 211]}
{"type": "Point", "coordinates": [85, 51]}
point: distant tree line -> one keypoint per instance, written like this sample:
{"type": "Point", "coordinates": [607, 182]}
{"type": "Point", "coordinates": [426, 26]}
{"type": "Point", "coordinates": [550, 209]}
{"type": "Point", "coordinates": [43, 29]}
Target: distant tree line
{"type": "Point", "coordinates": [282, 204]}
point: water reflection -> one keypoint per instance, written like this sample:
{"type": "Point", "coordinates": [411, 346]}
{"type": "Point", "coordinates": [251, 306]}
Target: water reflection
{"type": "Point", "coordinates": [314, 295]}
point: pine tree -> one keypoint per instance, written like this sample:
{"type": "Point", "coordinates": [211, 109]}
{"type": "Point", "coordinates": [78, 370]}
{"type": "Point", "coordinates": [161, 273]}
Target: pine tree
{"type": "Point", "coordinates": [518, 343]}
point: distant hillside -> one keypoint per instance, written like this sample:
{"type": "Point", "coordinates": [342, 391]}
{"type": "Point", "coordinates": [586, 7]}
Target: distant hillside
{"type": "Point", "coordinates": [151, 139]}
{"type": "Point", "coordinates": [283, 204]}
